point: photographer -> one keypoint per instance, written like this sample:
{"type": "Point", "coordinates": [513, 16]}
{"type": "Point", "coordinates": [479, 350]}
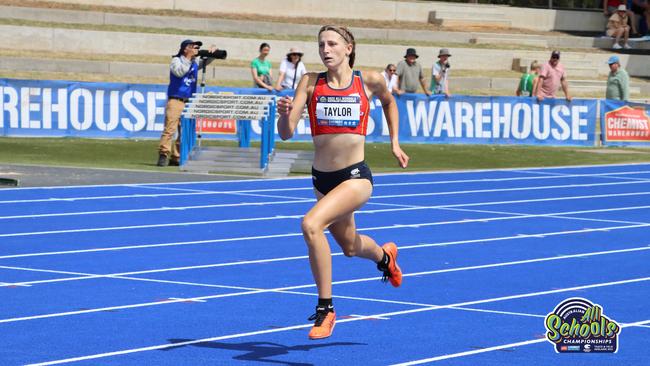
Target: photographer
{"type": "Point", "coordinates": [440, 74]}
{"type": "Point", "coordinates": [183, 72]}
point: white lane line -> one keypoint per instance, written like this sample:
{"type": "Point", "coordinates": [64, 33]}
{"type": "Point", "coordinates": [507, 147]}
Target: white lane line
{"type": "Point", "coordinates": [155, 209]}
{"type": "Point", "coordinates": [497, 312]}
{"type": "Point", "coordinates": [495, 348]}
{"type": "Point", "coordinates": [5, 284]}
{"type": "Point", "coordinates": [214, 241]}
{"type": "Point", "coordinates": [518, 189]}
{"type": "Point", "coordinates": [612, 175]}
{"type": "Point", "coordinates": [249, 290]}
{"type": "Point", "coordinates": [559, 257]}
{"type": "Point", "coordinates": [564, 215]}
{"type": "Point", "coordinates": [280, 217]}
{"type": "Point", "coordinates": [73, 199]}
{"type": "Point", "coordinates": [185, 300]}
{"type": "Point", "coordinates": [257, 180]}
{"type": "Point", "coordinates": [238, 193]}
{"type": "Point", "coordinates": [341, 321]}
{"type": "Point", "coordinates": [367, 317]}
{"type": "Point", "coordinates": [401, 206]}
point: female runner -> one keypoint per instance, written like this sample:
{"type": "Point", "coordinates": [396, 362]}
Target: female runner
{"type": "Point", "coordinates": [338, 103]}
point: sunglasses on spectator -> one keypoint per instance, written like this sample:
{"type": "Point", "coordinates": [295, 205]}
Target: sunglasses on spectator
{"type": "Point", "coordinates": [555, 58]}
{"type": "Point", "coordinates": [392, 70]}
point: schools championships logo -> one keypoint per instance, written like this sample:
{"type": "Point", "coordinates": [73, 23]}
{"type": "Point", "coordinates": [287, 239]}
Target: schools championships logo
{"type": "Point", "coordinates": [577, 325]}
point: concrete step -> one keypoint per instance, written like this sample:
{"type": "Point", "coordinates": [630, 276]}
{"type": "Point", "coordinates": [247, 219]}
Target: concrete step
{"type": "Point", "coordinates": [597, 88]}
{"type": "Point", "coordinates": [211, 170]}
{"type": "Point", "coordinates": [584, 68]}
{"type": "Point", "coordinates": [581, 71]}
{"type": "Point", "coordinates": [451, 22]}
{"type": "Point", "coordinates": [608, 42]}
{"type": "Point", "coordinates": [574, 84]}
{"type": "Point", "coordinates": [230, 148]}
{"type": "Point", "coordinates": [504, 40]}
{"type": "Point", "coordinates": [217, 155]}
{"type": "Point", "coordinates": [370, 55]}
{"type": "Point", "coordinates": [468, 18]}
{"type": "Point", "coordinates": [471, 14]}
{"type": "Point", "coordinates": [225, 164]}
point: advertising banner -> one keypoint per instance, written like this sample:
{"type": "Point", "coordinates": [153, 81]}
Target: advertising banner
{"type": "Point", "coordinates": [625, 124]}
{"type": "Point", "coordinates": [115, 110]}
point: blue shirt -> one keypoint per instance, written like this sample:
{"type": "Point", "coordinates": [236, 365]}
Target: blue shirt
{"type": "Point", "coordinates": [183, 86]}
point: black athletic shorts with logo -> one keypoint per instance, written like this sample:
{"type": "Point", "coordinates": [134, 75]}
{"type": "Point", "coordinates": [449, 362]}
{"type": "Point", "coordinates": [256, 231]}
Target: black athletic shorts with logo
{"type": "Point", "coordinates": [324, 182]}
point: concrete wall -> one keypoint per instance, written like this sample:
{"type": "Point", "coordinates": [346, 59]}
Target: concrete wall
{"type": "Point", "coordinates": [261, 27]}
{"type": "Point", "coordinates": [546, 20]}
{"type": "Point", "coordinates": [538, 19]}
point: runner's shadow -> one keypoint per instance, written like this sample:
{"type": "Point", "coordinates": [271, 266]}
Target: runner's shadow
{"type": "Point", "coordinates": [262, 351]}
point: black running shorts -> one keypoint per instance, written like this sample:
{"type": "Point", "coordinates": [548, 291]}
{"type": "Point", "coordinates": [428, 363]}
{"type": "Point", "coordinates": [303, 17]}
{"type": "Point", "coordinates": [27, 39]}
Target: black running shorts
{"type": "Point", "coordinates": [324, 182]}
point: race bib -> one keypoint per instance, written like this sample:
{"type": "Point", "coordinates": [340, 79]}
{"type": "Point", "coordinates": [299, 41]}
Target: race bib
{"type": "Point", "coordinates": [338, 111]}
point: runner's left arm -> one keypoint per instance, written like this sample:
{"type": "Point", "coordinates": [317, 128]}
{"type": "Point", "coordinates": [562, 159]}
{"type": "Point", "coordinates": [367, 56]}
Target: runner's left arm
{"type": "Point", "coordinates": [377, 87]}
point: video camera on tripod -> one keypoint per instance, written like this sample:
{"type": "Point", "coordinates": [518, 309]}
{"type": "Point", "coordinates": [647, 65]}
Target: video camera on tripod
{"type": "Point", "coordinates": [218, 54]}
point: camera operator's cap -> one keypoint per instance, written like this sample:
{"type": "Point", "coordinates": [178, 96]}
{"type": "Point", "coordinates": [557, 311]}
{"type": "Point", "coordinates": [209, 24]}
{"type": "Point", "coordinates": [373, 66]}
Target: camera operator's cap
{"type": "Point", "coordinates": [186, 43]}
{"type": "Point", "coordinates": [411, 52]}
{"type": "Point", "coordinates": [555, 54]}
{"type": "Point", "coordinates": [444, 52]}
{"type": "Point", "coordinates": [622, 7]}
{"type": "Point", "coordinates": [613, 60]}
{"type": "Point", "coordinates": [295, 51]}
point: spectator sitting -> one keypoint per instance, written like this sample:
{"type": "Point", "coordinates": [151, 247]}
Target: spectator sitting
{"type": "Point", "coordinates": [528, 81]}
{"type": "Point", "coordinates": [551, 76]}
{"type": "Point", "coordinates": [610, 7]}
{"type": "Point", "coordinates": [291, 70]}
{"type": "Point", "coordinates": [618, 81]}
{"type": "Point", "coordinates": [390, 77]}
{"type": "Point", "coordinates": [440, 74]}
{"type": "Point", "coordinates": [409, 74]}
{"type": "Point", "coordinates": [261, 69]}
{"type": "Point", "coordinates": [641, 9]}
{"type": "Point", "coordinates": [617, 27]}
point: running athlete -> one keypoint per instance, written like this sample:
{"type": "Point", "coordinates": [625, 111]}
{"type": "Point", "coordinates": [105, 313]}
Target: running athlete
{"type": "Point", "coordinates": [338, 104]}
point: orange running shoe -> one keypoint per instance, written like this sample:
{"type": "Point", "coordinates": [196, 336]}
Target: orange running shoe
{"type": "Point", "coordinates": [393, 273]}
{"type": "Point", "coordinates": [323, 325]}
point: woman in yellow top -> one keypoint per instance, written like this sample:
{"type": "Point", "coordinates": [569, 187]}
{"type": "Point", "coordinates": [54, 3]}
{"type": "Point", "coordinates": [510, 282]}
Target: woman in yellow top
{"type": "Point", "coordinates": [338, 103]}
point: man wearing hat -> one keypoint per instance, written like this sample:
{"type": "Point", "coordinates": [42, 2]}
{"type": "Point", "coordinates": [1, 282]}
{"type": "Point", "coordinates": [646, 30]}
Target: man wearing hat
{"type": "Point", "coordinates": [440, 74]}
{"type": "Point", "coordinates": [183, 72]}
{"type": "Point", "coordinates": [409, 74]}
{"type": "Point", "coordinates": [617, 27]}
{"type": "Point", "coordinates": [618, 81]}
{"type": "Point", "coordinates": [291, 70]}
{"type": "Point", "coordinates": [551, 77]}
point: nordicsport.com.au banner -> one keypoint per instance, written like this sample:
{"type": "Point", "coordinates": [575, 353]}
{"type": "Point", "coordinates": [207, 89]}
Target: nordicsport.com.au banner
{"type": "Point", "coordinates": [624, 123]}
{"type": "Point", "coordinates": [114, 110]}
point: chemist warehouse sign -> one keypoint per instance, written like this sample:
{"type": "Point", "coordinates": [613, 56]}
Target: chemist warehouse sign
{"type": "Point", "coordinates": [50, 108]}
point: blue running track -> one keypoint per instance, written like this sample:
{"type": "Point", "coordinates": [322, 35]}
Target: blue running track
{"type": "Point", "coordinates": [216, 273]}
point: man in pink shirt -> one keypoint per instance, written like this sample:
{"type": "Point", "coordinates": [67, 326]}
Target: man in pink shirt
{"type": "Point", "coordinates": [551, 77]}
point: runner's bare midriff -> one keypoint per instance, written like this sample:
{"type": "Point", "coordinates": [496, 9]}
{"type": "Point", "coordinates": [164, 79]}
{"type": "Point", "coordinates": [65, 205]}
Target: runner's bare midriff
{"type": "Point", "coordinates": [337, 151]}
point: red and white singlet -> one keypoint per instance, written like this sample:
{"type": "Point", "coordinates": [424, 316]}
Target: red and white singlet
{"type": "Point", "coordinates": [339, 110]}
